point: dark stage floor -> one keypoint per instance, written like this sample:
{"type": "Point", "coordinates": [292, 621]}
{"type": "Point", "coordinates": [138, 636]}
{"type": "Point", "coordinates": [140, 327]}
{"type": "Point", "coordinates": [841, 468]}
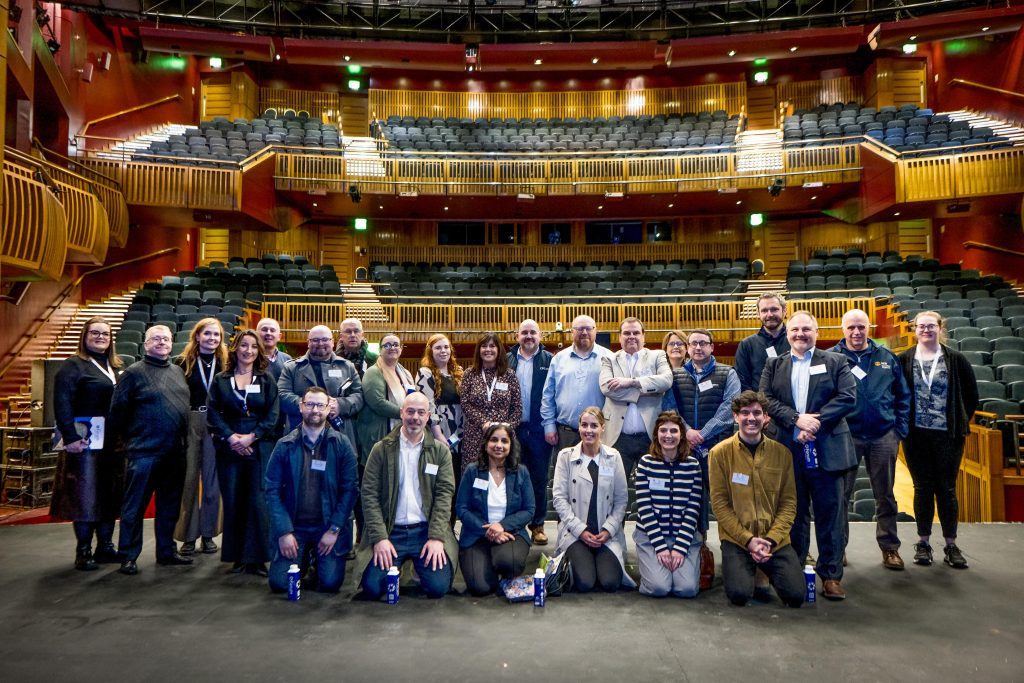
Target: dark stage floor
{"type": "Point", "coordinates": [196, 623]}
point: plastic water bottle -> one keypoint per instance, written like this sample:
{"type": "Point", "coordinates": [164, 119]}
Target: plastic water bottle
{"type": "Point", "coordinates": [538, 588]}
{"type": "Point", "coordinates": [338, 422]}
{"type": "Point", "coordinates": [294, 583]}
{"type": "Point", "coordinates": [393, 585]}
{"type": "Point", "coordinates": [810, 456]}
{"type": "Point", "coordinates": [812, 586]}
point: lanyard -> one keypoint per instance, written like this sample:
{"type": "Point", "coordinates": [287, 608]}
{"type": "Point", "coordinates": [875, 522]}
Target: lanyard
{"type": "Point", "coordinates": [490, 388]}
{"type": "Point", "coordinates": [242, 396]}
{"type": "Point", "coordinates": [109, 372]}
{"type": "Point", "coordinates": [931, 374]}
{"type": "Point", "coordinates": [207, 381]}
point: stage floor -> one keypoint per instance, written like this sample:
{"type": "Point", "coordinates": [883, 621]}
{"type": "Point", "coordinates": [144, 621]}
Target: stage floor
{"type": "Point", "coordinates": [197, 623]}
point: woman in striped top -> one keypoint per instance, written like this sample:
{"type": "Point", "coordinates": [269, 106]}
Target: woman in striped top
{"type": "Point", "coordinates": [668, 499]}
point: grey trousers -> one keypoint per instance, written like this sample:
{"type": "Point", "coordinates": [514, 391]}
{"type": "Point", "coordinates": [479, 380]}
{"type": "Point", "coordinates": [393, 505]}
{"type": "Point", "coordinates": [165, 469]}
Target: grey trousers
{"type": "Point", "coordinates": [200, 509]}
{"type": "Point", "coordinates": [656, 581]}
{"type": "Point", "coordinates": [879, 456]}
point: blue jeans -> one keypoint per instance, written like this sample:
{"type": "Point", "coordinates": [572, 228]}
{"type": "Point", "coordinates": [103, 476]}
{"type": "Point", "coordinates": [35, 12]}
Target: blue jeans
{"type": "Point", "coordinates": [165, 476]}
{"type": "Point", "coordinates": [409, 542]}
{"type": "Point", "coordinates": [536, 455]}
{"type": "Point", "coordinates": [823, 490]}
{"type": "Point", "coordinates": [330, 568]}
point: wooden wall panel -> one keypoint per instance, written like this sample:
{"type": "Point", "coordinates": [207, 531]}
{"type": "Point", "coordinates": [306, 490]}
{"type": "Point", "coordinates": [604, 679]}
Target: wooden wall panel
{"type": "Point", "coordinates": [216, 97]}
{"type": "Point", "coordinates": [244, 96]}
{"type": "Point", "coordinates": [781, 247]}
{"type": "Point", "coordinates": [303, 241]}
{"type": "Point", "coordinates": [916, 237]}
{"type": "Point", "coordinates": [337, 244]}
{"type": "Point", "coordinates": [214, 245]}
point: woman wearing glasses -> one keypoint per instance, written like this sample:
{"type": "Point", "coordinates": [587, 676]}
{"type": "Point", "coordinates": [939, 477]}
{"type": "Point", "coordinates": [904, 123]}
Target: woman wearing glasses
{"type": "Point", "coordinates": [87, 488]}
{"type": "Point", "coordinates": [385, 385]}
{"type": "Point", "coordinates": [242, 413]}
{"type": "Point", "coordinates": [944, 398]}
{"type": "Point", "coordinates": [489, 393]}
{"type": "Point", "coordinates": [674, 346]}
{"type": "Point", "coordinates": [439, 379]}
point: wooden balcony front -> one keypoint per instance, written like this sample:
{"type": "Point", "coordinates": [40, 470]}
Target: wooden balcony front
{"type": "Point", "coordinates": [35, 231]}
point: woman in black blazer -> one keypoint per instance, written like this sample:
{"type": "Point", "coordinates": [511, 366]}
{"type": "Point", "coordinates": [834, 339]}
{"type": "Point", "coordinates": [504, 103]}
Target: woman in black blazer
{"type": "Point", "coordinates": [242, 412]}
{"type": "Point", "coordinates": [495, 503]}
{"type": "Point", "coordinates": [944, 398]}
{"type": "Point", "coordinates": [88, 484]}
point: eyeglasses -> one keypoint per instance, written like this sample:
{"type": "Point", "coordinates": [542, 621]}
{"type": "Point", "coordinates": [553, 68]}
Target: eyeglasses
{"type": "Point", "coordinates": [313, 405]}
{"type": "Point", "coordinates": [699, 344]}
{"type": "Point", "coordinates": [159, 339]}
{"type": "Point", "coordinates": [676, 344]}
{"type": "Point", "coordinates": [586, 328]}
{"type": "Point", "coordinates": [97, 333]}
{"type": "Point", "coordinates": [321, 340]}
{"type": "Point", "coordinates": [391, 345]}
{"type": "Point", "coordinates": [928, 328]}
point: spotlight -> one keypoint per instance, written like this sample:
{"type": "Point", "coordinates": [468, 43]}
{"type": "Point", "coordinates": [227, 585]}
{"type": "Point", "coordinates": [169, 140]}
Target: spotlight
{"type": "Point", "coordinates": [355, 194]}
{"type": "Point", "coordinates": [53, 46]}
{"type": "Point", "coordinates": [775, 189]}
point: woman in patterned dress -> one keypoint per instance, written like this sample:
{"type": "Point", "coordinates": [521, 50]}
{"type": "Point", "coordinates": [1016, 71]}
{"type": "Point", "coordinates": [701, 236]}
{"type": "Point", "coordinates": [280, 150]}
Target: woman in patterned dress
{"type": "Point", "coordinates": [489, 393]}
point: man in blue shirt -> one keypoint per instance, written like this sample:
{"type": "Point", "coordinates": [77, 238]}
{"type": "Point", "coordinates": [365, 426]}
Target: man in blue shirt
{"type": "Point", "coordinates": [573, 383]}
{"type": "Point", "coordinates": [530, 361]}
{"type": "Point", "coordinates": [878, 423]}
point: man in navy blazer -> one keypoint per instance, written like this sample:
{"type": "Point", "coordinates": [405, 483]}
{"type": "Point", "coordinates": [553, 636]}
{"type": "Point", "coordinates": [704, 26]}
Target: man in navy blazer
{"type": "Point", "coordinates": [530, 361]}
{"type": "Point", "coordinates": [810, 394]}
{"type": "Point", "coordinates": [311, 484]}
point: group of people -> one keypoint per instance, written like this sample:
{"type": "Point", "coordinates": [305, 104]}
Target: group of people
{"type": "Point", "coordinates": [281, 454]}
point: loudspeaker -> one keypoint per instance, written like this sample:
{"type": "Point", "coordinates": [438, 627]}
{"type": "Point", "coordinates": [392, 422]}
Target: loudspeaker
{"type": "Point", "coordinates": [105, 61]}
{"type": "Point", "coordinates": [44, 372]}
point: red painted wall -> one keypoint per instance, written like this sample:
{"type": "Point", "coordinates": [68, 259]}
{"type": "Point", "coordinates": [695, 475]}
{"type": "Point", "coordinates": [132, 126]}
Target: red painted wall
{"type": "Point", "coordinates": [141, 241]}
{"type": "Point", "coordinates": [1002, 230]}
{"type": "Point", "coordinates": [994, 61]}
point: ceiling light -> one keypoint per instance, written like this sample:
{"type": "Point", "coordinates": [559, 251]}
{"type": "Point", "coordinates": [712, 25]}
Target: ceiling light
{"type": "Point", "coordinates": [896, 214]}
{"type": "Point", "coordinates": [380, 207]}
{"type": "Point", "coordinates": [793, 49]}
{"type": "Point", "coordinates": [732, 53]}
{"type": "Point", "coordinates": [595, 60]}
{"type": "Point", "coordinates": [599, 208]}
{"type": "Point", "coordinates": [446, 208]}
{"type": "Point", "coordinates": [985, 28]}
{"type": "Point", "coordinates": [671, 205]}
{"type": "Point", "coordinates": [739, 202]}
{"type": "Point", "coordinates": [913, 37]}
{"type": "Point", "coordinates": [348, 58]}
{"type": "Point", "coordinates": [814, 197]}
{"type": "Point", "coordinates": [277, 58]}
{"type": "Point", "coordinates": [538, 61]}
{"type": "Point", "coordinates": [315, 205]}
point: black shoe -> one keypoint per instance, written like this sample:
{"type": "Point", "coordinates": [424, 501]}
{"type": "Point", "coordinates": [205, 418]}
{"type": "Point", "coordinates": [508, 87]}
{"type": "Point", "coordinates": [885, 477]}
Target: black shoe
{"type": "Point", "coordinates": [187, 548]}
{"type": "Point", "coordinates": [237, 568]}
{"type": "Point", "coordinates": [209, 547]}
{"type": "Point", "coordinates": [107, 554]}
{"type": "Point", "coordinates": [922, 553]}
{"type": "Point", "coordinates": [173, 560]}
{"type": "Point", "coordinates": [129, 568]}
{"type": "Point", "coordinates": [954, 558]}
{"type": "Point", "coordinates": [84, 561]}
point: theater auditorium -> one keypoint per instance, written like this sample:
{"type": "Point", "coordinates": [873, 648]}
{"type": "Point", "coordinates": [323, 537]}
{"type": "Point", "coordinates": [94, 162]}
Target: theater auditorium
{"type": "Point", "coordinates": [329, 329]}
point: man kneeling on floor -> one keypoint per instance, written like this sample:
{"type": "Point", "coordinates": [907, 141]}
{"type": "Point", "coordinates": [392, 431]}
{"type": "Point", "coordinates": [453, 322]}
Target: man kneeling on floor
{"type": "Point", "coordinates": [311, 486]}
{"type": "Point", "coordinates": [408, 487]}
{"type": "Point", "coordinates": [753, 495]}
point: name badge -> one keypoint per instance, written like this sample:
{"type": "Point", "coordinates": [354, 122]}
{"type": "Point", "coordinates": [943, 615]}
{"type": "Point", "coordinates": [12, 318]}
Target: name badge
{"type": "Point", "coordinates": [771, 352]}
{"type": "Point", "coordinates": [741, 479]}
{"type": "Point", "coordinates": [644, 372]}
{"type": "Point", "coordinates": [501, 386]}
{"type": "Point", "coordinates": [816, 370]}
{"type": "Point", "coordinates": [319, 465]}
{"type": "Point", "coordinates": [656, 484]}
{"type": "Point", "coordinates": [705, 385]}
{"type": "Point", "coordinates": [430, 468]}
{"type": "Point", "coordinates": [335, 372]}
{"type": "Point", "coordinates": [252, 388]}
{"type": "Point", "coordinates": [606, 471]}
{"type": "Point", "coordinates": [858, 373]}
{"type": "Point", "coordinates": [480, 484]}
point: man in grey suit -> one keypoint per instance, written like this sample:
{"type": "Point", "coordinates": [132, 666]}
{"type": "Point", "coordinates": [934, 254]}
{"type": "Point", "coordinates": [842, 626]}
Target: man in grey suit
{"type": "Point", "coordinates": [810, 394]}
{"type": "Point", "coordinates": [321, 368]}
{"type": "Point", "coordinates": [633, 381]}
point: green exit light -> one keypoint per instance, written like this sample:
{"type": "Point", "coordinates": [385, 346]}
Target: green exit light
{"type": "Point", "coordinates": [354, 84]}
{"type": "Point", "coordinates": [760, 77]}
{"type": "Point", "coordinates": [354, 68]}
{"type": "Point", "coordinates": [216, 62]}
{"type": "Point", "coordinates": [360, 224]}
{"type": "Point", "coordinates": [756, 219]}
{"type": "Point", "coordinates": [760, 61]}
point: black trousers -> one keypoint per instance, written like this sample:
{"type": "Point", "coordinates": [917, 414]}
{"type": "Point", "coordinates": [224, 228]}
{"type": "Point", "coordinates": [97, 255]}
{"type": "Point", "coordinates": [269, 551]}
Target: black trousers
{"type": "Point", "coordinates": [165, 476]}
{"type": "Point", "coordinates": [594, 567]}
{"type": "Point", "coordinates": [933, 458]}
{"type": "Point", "coordinates": [483, 563]}
{"type": "Point", "coordinates": [631, 448]}
{"type": "Point", "coordinates": [784, 571]}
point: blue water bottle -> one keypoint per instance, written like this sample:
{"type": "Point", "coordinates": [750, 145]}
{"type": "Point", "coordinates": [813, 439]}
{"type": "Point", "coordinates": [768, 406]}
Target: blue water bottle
{"type": "Point", "coordinates": [810, 456]}
{"type": "Point", "coordinates": [338, 422]}
{"type": "Point", "coordinates": [812, 586]}
{"type": "Point", "coordinates": [538, 588]}
{"type": "Point", "coordinates": [393, 585]}
{"type": "Point", "coordinates": [294, 583]}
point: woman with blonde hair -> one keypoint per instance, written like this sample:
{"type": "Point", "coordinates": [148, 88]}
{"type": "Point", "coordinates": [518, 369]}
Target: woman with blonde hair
{"type": "Point", "coordinates": [204, 357]}
{"type": "Point", "coordinates": [439, 378]}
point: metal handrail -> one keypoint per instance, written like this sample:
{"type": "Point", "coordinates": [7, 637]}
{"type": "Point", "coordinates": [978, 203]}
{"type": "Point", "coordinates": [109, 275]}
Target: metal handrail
{"type": "Point", "coordinates": [129, 110]}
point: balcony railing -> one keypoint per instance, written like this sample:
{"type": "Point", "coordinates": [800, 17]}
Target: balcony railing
{"type": "Point", "coordinates": [35, 232]}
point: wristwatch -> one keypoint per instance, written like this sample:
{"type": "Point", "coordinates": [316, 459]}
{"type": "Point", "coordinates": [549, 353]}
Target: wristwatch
{"type": "Point", "coordinates": [335, 529]}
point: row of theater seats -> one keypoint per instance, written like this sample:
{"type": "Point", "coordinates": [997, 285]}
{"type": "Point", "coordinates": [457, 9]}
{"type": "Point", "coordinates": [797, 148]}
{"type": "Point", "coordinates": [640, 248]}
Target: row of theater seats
{"type": "Point", "coordinates": [707, 130]}
{"type": "Point", "coordinates": [232, 141]}
{"type": "Point", "coordinates": [907, 128]}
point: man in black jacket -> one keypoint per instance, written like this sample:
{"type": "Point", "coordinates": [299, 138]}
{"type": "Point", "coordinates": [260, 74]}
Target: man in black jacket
{"type": "Point", "coordinates": [149, 415]}
{"type": "Point", "coordinates": [768, 342]}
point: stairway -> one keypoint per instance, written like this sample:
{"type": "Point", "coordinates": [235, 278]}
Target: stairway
{"type": "Point", "coordinates": [759, 151]}
{"type": "Point", "coordinates": [1014, 133]}
{"type": "Point", "coordinates": [362, 158]}
{"type": "Point", "coordinates": [139, 143]}
{"type": "Point", "coordinates": [112, 308]}
{"type": "Point", "coordinates": [362, 302]}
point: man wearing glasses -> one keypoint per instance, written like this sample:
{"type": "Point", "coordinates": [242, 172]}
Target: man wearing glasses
{"type": "Point", "coordinates": [573, 383]}
{"type": "Point", "coordinates": [311, 488]}
{"type": "Point", "coordinates": [352, 346]}
{"type": "Point", "coordinates": [633, 382]}
{"type": "Point", "coordinates": [149, 415]}
{"type": "Point", "coordinates": [320, 367]}
{"type": "Point", "coordinates": [706, 389]}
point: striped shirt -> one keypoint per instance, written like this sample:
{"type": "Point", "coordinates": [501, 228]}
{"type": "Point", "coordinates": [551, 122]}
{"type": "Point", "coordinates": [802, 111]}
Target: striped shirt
{"type": "Point", "coordinates": [668, 502]}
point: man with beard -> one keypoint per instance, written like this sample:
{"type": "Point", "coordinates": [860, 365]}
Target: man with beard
{"type": "Point", "coordinates": [270, 336]}
{"type": "Point", "coordinates": [768, 342]}
{"type": "Point", "coordinates": [353, 347]}
{"type": "Point", "coordinates": [310, 490]}
{"type": "Point", "coordinates": [573, 383]}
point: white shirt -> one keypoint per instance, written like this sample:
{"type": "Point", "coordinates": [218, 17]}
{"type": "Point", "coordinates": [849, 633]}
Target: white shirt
{"type": "Point", "coordinates": [800, 379]}
{"type": "Point", "coordinates": [633, 423]}
{"type": "Point", "coordinates": [497, 500]}
{"type": "Point", "coordinates": [410, 499]}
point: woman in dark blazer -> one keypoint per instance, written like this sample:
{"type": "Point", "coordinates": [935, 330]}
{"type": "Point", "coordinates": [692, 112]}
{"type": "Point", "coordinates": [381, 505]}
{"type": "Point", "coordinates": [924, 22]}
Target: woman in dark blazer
{"type": "Point", "coordinates": [87, 489]}
{"type": "Point", "coordinates": [495, 503]}
{"type": "Point", "coordinates": [242, 412]}
{"type": "Point", "coordinates": [944, 397]}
